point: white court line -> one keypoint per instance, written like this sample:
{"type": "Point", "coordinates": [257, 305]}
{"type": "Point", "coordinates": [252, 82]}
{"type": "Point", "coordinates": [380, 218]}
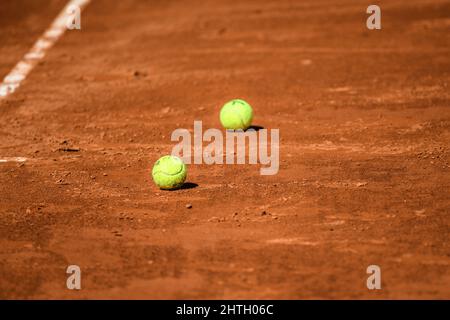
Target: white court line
{"type": "Point", "coordinates": [13, 159]}
{"type": "Point", "coordinates": [13, 80]}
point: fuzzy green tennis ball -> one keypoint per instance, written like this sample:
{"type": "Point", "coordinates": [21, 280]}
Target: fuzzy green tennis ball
{"type": "Point", "coordinates": [236, 114]}
{"type": "Point", "coordinates": [169, 172]}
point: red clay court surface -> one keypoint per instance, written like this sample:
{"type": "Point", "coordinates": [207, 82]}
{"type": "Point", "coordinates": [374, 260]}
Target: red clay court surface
{"type": "Point", "coordinates": [364, 120]}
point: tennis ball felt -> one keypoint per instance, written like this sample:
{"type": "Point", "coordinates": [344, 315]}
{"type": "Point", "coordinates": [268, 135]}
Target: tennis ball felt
{"type": "Point", "coordinates": [236, 114]}
{"type": "Point", "coordinates": [169, 172]}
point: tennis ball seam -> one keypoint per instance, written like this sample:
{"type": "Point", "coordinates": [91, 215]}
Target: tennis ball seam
{"type": "Point", "coordinates": [241, 119]}
{"type": "Point", "coordinates": [168, 174]}
{"type": "Point", "coordinates": [240, 111]}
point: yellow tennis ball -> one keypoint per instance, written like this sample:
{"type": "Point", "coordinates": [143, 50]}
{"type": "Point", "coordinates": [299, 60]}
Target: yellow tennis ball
{"type": "Point", "coordinates": [236, 114]}
{"type": "Point", "coordinates": [169, 172]}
